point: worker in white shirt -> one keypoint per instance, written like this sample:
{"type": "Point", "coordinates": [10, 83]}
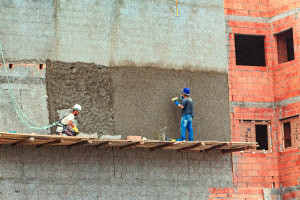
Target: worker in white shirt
{"type": "Point", "coordinates": [66, 126]}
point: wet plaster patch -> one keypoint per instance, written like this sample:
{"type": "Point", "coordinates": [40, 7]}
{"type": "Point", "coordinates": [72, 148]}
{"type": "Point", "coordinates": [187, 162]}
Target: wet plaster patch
{"type": "Point", "coordinates": [137, 100]}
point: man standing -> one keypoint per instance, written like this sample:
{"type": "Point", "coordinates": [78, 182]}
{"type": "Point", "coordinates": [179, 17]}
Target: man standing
{"type": "Point", "coordinates": [66, 125]}
{"type": "Point", "coordinates": [187, 114]}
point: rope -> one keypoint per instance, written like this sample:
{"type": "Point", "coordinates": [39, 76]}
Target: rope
{"type": "Point", "coordinates": [21, 115]}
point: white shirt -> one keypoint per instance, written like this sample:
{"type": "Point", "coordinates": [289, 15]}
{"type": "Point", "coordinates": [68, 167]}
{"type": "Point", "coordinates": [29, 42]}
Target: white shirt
{"type": "Point", "coordinates": [65, 121]}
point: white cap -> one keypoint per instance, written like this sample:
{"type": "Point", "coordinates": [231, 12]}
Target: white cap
{"type": "Point", "coordinates": [77, 107]}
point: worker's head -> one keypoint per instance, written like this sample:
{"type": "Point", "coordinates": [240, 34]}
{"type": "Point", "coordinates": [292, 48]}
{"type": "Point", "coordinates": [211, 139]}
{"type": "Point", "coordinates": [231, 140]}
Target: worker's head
{"type": "Point", "coordinates": [76, 109]}
{"type": "Point", "coordinates": [186, 91]}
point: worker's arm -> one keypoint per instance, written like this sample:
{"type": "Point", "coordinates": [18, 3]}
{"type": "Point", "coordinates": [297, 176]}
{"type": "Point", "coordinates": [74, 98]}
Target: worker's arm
{"type": "Point", "coordinates": [179, 105]}
{"type": "Point", "coordinates": [73, 126]}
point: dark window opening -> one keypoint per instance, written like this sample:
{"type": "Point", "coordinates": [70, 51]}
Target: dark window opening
{"type": "Point", "coordinates": [41, 66]}
{"type": "Point", "coordinates": [10, 66]}
{"type": "Point", "coordinates": [285, 46]}
{"type": "Point", "coordinates": [262, 136]}
{"type": "Point", "coordinates": [287, 134]}
{"type": "Point", "coordinates": [250, 50]}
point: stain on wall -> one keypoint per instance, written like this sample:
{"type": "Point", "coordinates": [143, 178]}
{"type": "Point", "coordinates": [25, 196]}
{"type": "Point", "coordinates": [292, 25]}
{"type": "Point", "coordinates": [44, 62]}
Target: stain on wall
{"type": "Point", "coordinates": [131, 100]}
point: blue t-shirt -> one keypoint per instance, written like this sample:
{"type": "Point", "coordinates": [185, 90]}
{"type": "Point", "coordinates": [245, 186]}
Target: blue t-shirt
{"type": "Point", "coordinates": [187, 103]}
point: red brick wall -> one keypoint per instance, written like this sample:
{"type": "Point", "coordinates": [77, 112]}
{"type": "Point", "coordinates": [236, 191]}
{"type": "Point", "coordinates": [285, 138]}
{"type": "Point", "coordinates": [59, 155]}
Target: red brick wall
{"type": "Point", "coordinates": [237, 193]}
{"type": "Point", "coordinates": [258, 170]}
{"type": "Point", "coordinates": [289, 167]}
{"type": "Point", "coordinates": [272, 83]}
{"type": "Point", "coordinates": [259, 8]}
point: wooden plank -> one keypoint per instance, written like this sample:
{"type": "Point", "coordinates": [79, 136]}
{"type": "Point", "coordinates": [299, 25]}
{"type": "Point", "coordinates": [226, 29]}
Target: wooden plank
{"type": "Point", "coordinates": [191, 147]}
{"type": "Point", "coordinates": [215, 147]}
{"type": "Point", "coordinates": [128, 145]}
{"type": "Point", "coordinates": [161, 146]}
{"type": "Point", "coordinates": [24, 141]}
{"type": "Point", "coordinates": [49, 143]}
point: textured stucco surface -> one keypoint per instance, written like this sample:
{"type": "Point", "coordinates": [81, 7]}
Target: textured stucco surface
{"type": "Point", "coordinates": [137, 101]}
{"type": "Point", "coordinates": [89, 173]}
{"type": "Point", "coordinates": [28, 88]}
{"type": "Point", "coordinates": [115, 32]}
{"type": "Point", "coordinates": [142, 102]}
{"type": "Point", "coordinates": [85, 84]}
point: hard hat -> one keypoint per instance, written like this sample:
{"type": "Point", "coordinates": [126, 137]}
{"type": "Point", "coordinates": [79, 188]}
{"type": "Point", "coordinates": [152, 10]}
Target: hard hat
{"type": "Point", "coordinates": [77, 107]}
{"type": "Point", "coordinates": [186, 91]}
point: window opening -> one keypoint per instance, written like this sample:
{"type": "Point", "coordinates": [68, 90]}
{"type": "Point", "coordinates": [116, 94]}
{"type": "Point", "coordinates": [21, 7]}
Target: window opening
{"type": "Point", "coordinates": [262, 136]}
{"type": "Point", "coordinates": [287, 134]}
{"type": "Point", "coordinates": [250, 50]}
{"type": "Point", "coordinates": [285, 46]}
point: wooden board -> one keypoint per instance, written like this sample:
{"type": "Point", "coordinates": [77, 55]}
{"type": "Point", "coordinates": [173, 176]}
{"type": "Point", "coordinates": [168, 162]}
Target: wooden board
{"type": "Point", "coordinates": [39, 140]}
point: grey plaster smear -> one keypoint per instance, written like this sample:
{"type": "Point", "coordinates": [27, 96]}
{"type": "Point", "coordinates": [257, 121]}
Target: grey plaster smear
{"type": "Point", "coordinates": [137, 100]}
{"type": "Point", "coordinates": [89, 173]}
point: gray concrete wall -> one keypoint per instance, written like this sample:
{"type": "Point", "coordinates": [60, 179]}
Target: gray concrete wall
{"type": "Point", "coordinates": [116, 32]}
{"type": "Point", "coordinates": [28, 87]}
{"type": "Point", "coordinates": [87, 173]}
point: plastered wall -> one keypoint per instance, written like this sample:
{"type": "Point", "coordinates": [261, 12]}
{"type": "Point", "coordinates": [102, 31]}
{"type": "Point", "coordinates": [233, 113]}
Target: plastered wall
{"type": "Point", "coordinates": [137, 101]}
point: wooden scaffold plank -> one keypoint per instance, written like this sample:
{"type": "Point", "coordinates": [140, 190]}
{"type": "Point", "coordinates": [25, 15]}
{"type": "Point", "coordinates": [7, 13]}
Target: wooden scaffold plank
{"type": "Point", "coordinates": [23, 141]}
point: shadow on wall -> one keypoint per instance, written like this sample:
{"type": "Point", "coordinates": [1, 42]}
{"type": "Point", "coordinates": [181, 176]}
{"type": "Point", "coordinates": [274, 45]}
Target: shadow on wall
{"type": "Point", "coordinates": [137, 100]}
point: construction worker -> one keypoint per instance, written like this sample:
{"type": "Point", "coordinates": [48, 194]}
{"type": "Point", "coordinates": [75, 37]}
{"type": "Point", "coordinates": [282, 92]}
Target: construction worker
{"type": "Point", "coordinates": [187, 114]}
{"type": "Point", "coordinates": [66, 125]}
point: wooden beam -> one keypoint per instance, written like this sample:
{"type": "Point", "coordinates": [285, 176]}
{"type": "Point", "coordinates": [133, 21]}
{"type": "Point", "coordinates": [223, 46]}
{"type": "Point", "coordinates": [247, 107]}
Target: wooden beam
{"type": "Point", "coordinates": [49, 143]}
{"type": "Point", "coordinates": [190, 147]}
{"type": "Point", "coordinates": [78, 143]}
{"type": "Point", "coordinates": [101, 144]}
{"type": "Point", "coordinates": [236, 149]}
{"type": "Point", "coordinates": [215, 147]}
{"type": "Point", "coordinates": [161, 146]}
{"type": "Point", "coordinates": [24, 141]}
{"type": "Point", "coordinates": [128, 145]}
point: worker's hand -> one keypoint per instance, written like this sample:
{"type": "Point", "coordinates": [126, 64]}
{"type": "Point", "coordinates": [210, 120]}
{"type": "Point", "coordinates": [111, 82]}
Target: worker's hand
{"type": "Point", "coordinates": [177, 103]}
{"type": "Point", "coordinates": [75, 129]}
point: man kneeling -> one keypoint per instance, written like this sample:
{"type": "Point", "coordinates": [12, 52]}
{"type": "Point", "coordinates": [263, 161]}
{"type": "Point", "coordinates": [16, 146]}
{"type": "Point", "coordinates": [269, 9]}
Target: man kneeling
{"type": "Point", "coordinates": [66, 126]}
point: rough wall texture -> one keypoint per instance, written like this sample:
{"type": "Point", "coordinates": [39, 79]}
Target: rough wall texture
{"type": "Point", "coordinates": [142, 102]}
{"type": "Point", "coordinates": [28, 88]}
{"type": "Point", "coordinates": [87, 173]}
{"type": "Point", "coordinates": [137, 101]}
{"type": "Point", "coordinates": [114, 32]}
{"type": "Point", "coordinates": [86, 84]}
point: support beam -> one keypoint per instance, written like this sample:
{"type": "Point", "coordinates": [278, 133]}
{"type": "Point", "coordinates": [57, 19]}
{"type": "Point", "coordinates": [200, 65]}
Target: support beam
{"type": "Point", "coordinates": [236, 149]}
{"type": "Point", "coordinates": [78, 143]}
{"type": "Point", "coordinates": [24, 141]}
{"type": "Point", "coordinates": [215, 147]}
{"type": "Point", "coordinates": [101, 144]}
{"type": "Point", "coordinates": [161, 146]}
{"type": "Point", "coordinates": [49, 143]}
{"type": "Point", "coordinates": [190, 147]}
{"type": "Point", "coordinates": [128, 145]}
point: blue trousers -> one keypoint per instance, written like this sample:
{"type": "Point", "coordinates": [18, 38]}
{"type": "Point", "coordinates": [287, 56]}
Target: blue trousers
{"type": "Point", "coordinates": [186, 123]}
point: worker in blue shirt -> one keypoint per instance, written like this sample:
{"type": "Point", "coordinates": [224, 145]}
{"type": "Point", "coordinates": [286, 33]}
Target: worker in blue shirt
{"type": "Point", "coordinates": [187, 114]}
